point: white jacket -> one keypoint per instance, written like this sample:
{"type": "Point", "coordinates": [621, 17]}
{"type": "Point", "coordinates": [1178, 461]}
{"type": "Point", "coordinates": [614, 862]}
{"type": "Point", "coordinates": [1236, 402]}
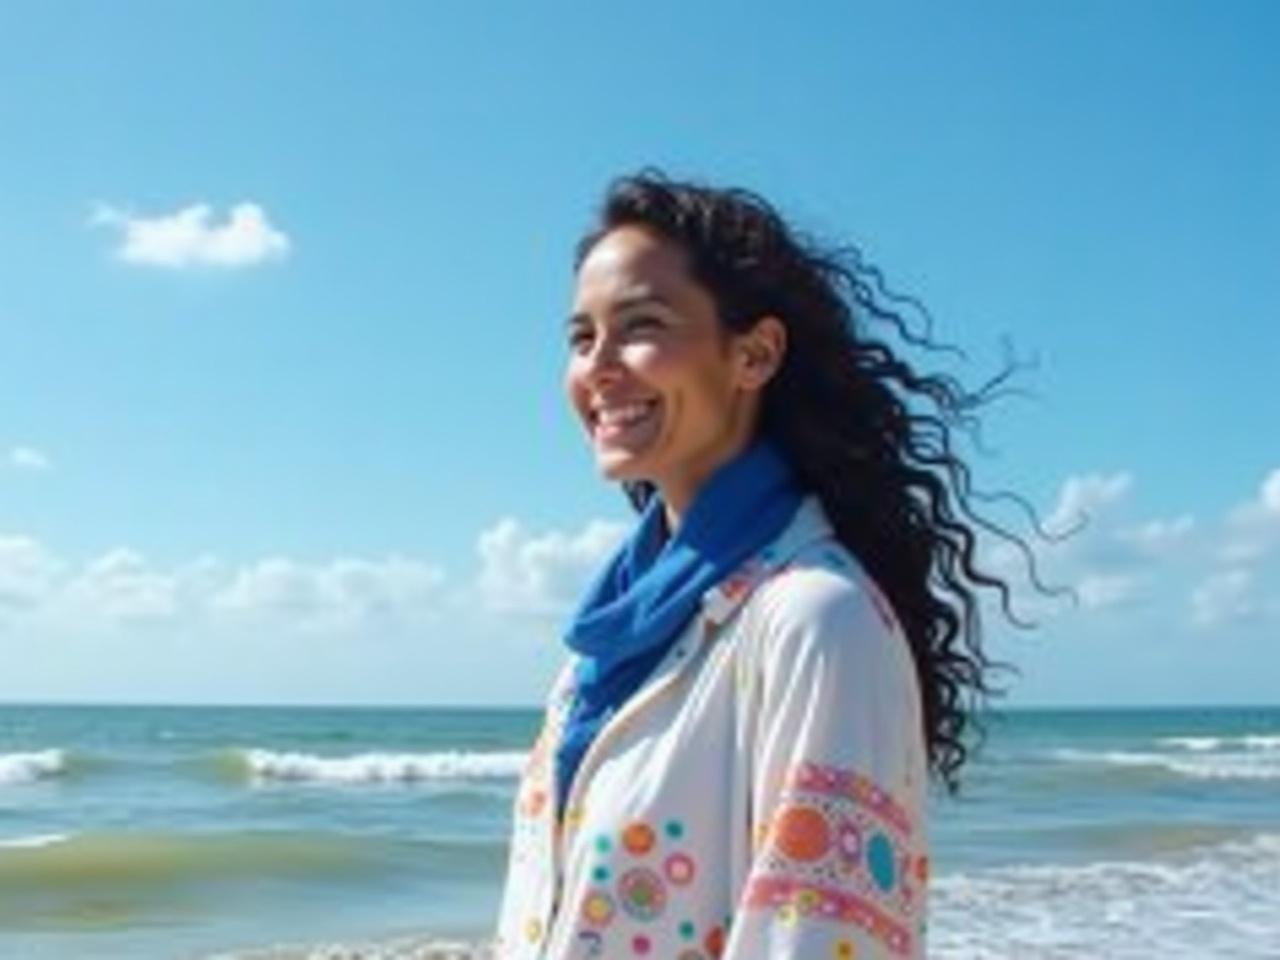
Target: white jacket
{"type": "Point", "coordinates": [762, 795]}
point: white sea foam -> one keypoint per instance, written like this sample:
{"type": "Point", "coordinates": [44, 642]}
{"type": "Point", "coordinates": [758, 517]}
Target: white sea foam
{"type": "Point", "coordinates": [413, 948]}
{"type": "Point", "coordinates": [383, 767]}
{"type": "Point", "coordinates": [32, 842]}
{"type": "Point", "coordinates": [1203, 765]}
{"type": "Point", "coordinates": [1221, 901]}
{"type": "Point", "coordinates": [27, 767]}
{"type": "Point", "coordinates": [1192, 743]}
{"type": "Point", "coordinates": [1249, 741]}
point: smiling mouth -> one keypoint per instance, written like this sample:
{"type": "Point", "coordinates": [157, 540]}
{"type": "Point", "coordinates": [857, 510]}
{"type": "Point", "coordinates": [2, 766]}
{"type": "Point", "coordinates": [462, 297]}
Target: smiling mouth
{"type": "Point", "coordinates": [617, 419]}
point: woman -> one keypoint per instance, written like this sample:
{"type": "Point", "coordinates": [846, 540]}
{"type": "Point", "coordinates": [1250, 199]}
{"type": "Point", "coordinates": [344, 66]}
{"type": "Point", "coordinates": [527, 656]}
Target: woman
{"type": "Point", "coordinates": [734, 761]}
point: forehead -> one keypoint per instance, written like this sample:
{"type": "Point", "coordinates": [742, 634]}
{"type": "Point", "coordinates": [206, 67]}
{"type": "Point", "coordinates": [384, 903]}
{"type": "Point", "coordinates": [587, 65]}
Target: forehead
{"type": "Point", "coordinates": [631, 261]}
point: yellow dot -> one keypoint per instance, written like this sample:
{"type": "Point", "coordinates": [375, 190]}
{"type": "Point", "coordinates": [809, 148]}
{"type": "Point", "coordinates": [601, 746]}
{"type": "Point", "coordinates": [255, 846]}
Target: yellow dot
{"type": "Point", "coordinates": [806, 901]}
{"type": "Point", "coordinates": [762, 834]}
{"type": "Point", "coordinates": [844, 949]}
{"type": "Point", "coordinates": [533, 930]}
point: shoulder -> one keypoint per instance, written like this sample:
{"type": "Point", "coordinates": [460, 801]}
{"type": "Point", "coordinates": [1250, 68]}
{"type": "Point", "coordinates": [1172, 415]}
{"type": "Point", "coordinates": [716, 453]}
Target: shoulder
{"type": "Point", "coordinates": [824, 586]}
{"type": "Point", "coordinates": [824, 605]}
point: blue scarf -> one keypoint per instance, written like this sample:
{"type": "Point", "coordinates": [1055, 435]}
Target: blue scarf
{"type": "Point", "coordinates": [649, 589]}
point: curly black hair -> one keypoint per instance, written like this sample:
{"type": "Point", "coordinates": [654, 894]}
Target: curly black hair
{"type": "Point", "coordinates": [871, 436]}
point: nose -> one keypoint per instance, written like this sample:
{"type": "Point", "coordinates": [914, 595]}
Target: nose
{"type": "Point", "coordinates": [602, 363]}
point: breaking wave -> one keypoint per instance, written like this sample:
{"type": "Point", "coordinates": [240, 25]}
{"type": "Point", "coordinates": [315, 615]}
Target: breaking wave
{"type": "Point", "coordinates": [29, 767]}
{"type": "Point", "coordinates": [1226, 896]}
{"type": "Point", "coordinates": [358, 768]}
{"type": "Point", "coordinates": [1195, 762]}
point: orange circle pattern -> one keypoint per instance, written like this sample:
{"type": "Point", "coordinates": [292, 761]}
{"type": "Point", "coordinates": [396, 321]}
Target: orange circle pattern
{"type": "Point", "coordinates": [638, 838]}
{"type": "Point", "coordinates": [802, 833]}
{"type": "Point", "coordinates": [714, 941]}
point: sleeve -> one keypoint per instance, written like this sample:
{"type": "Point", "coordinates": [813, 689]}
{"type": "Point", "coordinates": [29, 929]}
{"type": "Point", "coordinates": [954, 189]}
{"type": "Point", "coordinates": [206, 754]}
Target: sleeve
{"type": "Point", "coordinates": [839, 861]}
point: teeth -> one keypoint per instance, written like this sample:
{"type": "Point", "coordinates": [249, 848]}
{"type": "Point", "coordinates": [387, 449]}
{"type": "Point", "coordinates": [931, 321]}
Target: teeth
{"type": "Point", "coordinates": [622, 415]}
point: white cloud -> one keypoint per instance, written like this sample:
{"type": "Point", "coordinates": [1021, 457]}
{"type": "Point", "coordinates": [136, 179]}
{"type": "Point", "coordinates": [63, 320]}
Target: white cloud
{"type": "Point", "coordinates": [1223, 597]}
{"type": "Point", "coordinates": [1083, 497]}
{"type": "Point", "coordinates": [1097, 591]}
{"type": "Point", "coordinates": [120, 585]}
{"type": "Point", "coordinates": [274, 585]}
{"type": "Point", "coordinates": [1158, 537]}
{"type": "Point", "coordinates": [28, 572]}
{"type": "Point", "coordinates": [29, 458]}
{"type": "Point", "coordinates": [1093, 557]}
{"type": "Point", "coordinates": [541, 575]}
{"type": "Point", "coordinates": [1253, 527]}
{"type": "Point", "coordinates": [341, 594]}
{"type": "Point", "coordinates": [520, 574]}
{"type": "Point", "coordinates": [192, 237]}
{"type": "Point", "coordinates": [1269, 496]}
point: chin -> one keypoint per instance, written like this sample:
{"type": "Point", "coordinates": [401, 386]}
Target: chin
{"type": "Point", "coordinates": [621, 467]}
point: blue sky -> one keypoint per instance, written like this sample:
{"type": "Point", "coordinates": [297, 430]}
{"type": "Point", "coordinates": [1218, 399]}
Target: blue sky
{"type": "Point", "coordinates": [308, 444]}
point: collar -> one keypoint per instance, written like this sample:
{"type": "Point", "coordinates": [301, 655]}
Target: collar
{"type": "Point", "coordinates": [809, 525]}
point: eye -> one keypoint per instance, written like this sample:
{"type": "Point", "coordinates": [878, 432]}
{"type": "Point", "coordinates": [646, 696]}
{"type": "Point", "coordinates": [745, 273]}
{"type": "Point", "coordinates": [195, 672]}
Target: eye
{"type": "Point", "coordinates": [643, 321]}
{"type": "Point", "coordinates": [579, 338]}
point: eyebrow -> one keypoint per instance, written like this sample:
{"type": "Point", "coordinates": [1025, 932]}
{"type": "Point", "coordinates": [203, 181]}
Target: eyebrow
{"type": "Point", "coordinates": [622, 303]}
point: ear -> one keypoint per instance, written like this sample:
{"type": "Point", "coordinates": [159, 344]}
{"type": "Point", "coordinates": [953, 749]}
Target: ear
{"type": "Point", "coordinates": [760, 352]}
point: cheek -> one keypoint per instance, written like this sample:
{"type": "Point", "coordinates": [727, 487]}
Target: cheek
{"type": "Point", "coordinates": [676, 368]}
{"type": "Point", "coordinates": [650, 361]}
{"type": "Point", "coordinates": [574, 386]}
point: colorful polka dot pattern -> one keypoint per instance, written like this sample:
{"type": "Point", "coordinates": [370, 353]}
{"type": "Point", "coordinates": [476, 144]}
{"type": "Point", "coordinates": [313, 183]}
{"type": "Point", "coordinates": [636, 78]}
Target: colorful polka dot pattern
{"type": "Point", "coordinates": [532, 801]}
{"type": "Point", "coordinates": [639, 875]}
{"type": "Point", "coordinates": [533, 798]}
{"type": "Point", "coordinates": [840, 849]}
{"type": "Point", "coordinates": [795, 901]}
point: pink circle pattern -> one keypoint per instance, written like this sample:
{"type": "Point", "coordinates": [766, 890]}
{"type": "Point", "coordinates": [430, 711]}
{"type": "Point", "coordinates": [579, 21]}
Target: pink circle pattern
{"type": "Point", "coordinates": [679, 869]}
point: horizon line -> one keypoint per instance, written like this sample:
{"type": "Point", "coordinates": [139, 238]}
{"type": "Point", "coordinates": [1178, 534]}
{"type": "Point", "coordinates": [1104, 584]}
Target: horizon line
{"type": "Point", "coordinates": [478, 706]}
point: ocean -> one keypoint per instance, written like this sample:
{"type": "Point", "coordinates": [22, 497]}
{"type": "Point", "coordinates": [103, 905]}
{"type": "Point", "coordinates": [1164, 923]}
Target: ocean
{"type": "Point", "coordinates": [254, 832]}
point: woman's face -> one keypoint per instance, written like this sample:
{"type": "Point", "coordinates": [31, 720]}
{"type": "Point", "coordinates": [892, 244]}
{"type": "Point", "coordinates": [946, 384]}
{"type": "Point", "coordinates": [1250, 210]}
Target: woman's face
{"type": "Point", "coordinates": [664, 392]}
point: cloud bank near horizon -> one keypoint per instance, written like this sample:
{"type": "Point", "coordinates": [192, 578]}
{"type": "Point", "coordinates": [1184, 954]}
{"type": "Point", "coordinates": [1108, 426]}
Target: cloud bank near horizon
{"type": "Point", "coordinates": [1198, 574]}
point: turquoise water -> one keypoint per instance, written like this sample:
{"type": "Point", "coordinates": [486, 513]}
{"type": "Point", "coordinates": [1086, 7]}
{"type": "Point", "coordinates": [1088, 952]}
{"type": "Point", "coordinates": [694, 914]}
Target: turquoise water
{"type": "Point", "coordinates": [185, 832]}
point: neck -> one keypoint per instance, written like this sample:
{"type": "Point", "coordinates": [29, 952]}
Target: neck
{"type": "Point", "coordinates": [678, 492]}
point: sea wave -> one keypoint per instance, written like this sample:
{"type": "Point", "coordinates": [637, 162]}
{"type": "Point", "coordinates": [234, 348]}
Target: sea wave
{"type": "Point", "coordinates": [32, 842]}
{"type": "Point", "coordinates": [1133, 838]}
{"type": "Point", "coordinates": [1222, 901]}
{"type": "Point", "coordinates": [32, 766]}
{"type": "Point", "coordinates": [1248, 741]}
{"type": "Point", "coordinates": [93, 860]}
{"type": "Point", "coordinates": [1200, 765]}
{"type": "Point", "coordinates": [32, 868]}
{"type": "Point", "coordinates": [262, 764]}
{"type": "Point", "coordinates": [1192, 743]}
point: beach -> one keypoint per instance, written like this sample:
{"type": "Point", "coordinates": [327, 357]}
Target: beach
{"type": "Point", "coordinates": [343, 833]}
